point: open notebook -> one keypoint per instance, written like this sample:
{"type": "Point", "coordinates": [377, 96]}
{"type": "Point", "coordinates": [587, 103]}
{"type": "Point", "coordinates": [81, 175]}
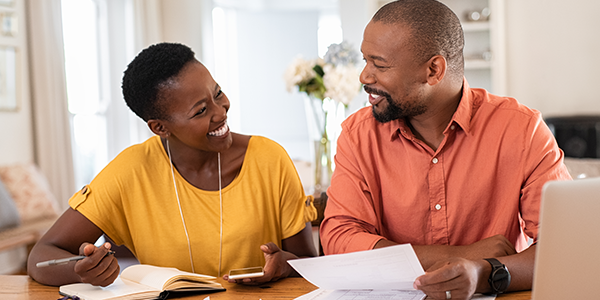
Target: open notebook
{"type": "Point", "coordinates": [566, 263]}
{"type": "Point", "coordinates": [145, 282]}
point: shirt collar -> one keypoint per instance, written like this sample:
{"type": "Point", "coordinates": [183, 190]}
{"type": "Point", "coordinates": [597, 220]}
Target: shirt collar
{"type": "Point", "coordinates": [465, 110]}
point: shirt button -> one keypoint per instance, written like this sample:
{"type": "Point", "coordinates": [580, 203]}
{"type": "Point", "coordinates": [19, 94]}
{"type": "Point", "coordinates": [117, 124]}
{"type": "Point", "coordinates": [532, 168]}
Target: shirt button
{"type": "Point", "coordinates": [438, 207]}
{"type": "Point", "coordinates": [435, 160]}
{"type": "Point", "coordinates": [452, 127]}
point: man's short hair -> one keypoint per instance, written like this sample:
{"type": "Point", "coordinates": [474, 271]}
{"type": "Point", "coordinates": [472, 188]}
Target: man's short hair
{"type": "Point", "coordinates": [436, 30]}
{"type": "Point", "coordinates": [148, 72]}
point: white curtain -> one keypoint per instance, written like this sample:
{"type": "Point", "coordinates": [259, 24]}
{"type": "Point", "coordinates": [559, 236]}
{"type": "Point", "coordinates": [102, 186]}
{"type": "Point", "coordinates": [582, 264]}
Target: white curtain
{"type": "Point", "coordinates": [147, 30]}
{"type": "Point", "coordinates": [49, 97]}
{"type": "Point", "coordinates": [148, 23]}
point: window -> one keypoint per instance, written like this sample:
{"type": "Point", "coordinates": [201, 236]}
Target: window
{"type": "Point", "coordinates": [86, 96]}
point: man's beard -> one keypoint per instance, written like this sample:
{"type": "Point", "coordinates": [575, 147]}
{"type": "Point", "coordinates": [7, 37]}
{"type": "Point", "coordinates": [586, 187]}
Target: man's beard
{"type": "Point", "coordinates": [394, 111]}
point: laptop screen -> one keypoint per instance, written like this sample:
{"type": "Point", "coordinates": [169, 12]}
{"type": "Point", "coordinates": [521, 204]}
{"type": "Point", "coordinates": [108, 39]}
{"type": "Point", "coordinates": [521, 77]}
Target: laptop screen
{"type": "Point", "coordinates": [567, 263]}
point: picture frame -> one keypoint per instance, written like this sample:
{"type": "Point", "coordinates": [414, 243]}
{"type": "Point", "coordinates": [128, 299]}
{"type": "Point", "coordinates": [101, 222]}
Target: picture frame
{"type": "Point", "coordinates": [8, 24]}
{"type": "Point", "coordinates": [8, 78]}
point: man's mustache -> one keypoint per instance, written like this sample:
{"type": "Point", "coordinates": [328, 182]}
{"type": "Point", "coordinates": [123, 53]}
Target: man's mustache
{"type": "Point", "coordinates": [371, 90]}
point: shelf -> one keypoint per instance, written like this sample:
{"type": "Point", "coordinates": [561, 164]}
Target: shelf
{"type": "Point", "coordinates": [477, 64]}
{"type": "Point", "coordinates": [476, 26]}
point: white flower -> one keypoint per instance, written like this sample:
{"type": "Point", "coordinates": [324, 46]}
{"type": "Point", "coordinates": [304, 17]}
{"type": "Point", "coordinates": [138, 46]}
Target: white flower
{"type": "Point", "coordinates": [341, 82]}
{"type": "Point", "coordinates": [335, 77]}
{"type": "Point", "coordinates": [299, 71]}
{"type": "Point", "coordinates": [341, 54]}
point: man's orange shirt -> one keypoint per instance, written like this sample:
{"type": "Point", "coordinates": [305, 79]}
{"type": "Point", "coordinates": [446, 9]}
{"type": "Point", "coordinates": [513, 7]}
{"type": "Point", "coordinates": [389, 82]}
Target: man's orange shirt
{"type": "Point", "coordinates": [485, 178]}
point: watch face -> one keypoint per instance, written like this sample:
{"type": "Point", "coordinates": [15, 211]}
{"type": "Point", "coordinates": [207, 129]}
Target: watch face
{"type": "Point", "coordinates": [500, 280]}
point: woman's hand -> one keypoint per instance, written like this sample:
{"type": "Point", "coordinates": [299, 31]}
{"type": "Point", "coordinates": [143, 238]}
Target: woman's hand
{"type": "Point", "coordinates": [276, 266]}
{"type": "Point", "coordinates": [98, 268]}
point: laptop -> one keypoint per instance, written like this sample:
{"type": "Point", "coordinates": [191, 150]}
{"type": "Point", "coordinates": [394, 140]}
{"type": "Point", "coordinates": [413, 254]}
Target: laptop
{"type": "Point", "coordinates": [567, 262]}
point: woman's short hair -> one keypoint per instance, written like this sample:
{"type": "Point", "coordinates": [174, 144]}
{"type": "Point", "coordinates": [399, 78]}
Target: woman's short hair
{"type": "Point", "coordinates": [149, 71]}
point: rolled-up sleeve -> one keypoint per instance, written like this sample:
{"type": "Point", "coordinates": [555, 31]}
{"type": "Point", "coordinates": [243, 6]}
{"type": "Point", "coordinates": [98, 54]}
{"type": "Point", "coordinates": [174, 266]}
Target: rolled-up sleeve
{"type": "Point", "coordinates": [543, 162]}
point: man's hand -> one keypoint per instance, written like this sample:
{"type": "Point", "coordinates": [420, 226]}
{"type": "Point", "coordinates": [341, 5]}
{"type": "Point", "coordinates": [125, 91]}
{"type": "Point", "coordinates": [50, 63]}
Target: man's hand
{"type": "Point", "coordinates": [459, 276]}
{"type": "Point", "coordinates": [276, 266]}
{"type": "Point", "coordinates": [97, 268]}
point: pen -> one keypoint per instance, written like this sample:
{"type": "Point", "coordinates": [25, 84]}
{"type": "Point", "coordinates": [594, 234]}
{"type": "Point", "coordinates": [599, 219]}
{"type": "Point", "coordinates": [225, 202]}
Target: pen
{"type": "Point", "coordinates": [63, 261]}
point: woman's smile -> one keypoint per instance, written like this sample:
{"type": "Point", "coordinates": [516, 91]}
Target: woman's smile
{"type": "Point", "coordinates": [220, 131]}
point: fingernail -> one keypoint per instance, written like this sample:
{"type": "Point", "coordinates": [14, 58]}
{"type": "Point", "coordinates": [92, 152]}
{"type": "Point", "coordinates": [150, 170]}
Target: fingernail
{"type": "Point", "coordinates": [416, 284]}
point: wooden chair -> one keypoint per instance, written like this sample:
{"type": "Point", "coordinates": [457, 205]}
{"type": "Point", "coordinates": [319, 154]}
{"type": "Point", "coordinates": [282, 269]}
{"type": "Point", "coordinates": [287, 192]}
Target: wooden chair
{"type": "Point", "coordinates": [320, 203]}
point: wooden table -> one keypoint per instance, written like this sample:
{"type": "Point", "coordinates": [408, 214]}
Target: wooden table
{"type": "Point", "coordinates": [22, 287]}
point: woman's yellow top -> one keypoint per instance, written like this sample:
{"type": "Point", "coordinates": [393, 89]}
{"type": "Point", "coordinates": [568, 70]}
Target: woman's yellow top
{"type": "Point", "coordinates": [133, 202]}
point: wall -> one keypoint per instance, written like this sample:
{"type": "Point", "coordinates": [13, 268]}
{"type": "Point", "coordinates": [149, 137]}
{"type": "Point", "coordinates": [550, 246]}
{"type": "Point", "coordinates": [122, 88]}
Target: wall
{"type": "Point", "coordinates": [552, 50]}
{"type": "Point", "coordinates": [268, 41]}
{"type": "Point", "coordinates": [17, 143]}
{"type": "Point", "coordinates": [182, 23]}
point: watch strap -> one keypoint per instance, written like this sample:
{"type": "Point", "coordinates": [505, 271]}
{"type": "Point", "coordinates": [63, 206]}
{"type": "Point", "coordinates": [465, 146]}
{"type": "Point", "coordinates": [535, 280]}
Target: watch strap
{"type": "Point", "coordinates": [499, 279]}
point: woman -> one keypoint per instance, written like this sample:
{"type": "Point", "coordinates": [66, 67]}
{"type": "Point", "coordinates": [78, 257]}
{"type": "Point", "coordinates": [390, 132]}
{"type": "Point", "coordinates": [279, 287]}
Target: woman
{"type": "Point", "coordinates": [195, 196]}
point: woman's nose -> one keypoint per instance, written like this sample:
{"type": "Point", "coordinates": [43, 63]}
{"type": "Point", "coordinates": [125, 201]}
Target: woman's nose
{"type": "Point", "coordinates": [220, 112]}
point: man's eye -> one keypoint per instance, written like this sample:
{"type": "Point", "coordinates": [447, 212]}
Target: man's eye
{"type": "Point", "coordinates": [219, 94]}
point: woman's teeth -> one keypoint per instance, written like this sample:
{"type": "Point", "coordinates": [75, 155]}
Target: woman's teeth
{"type": "Point", "coordinates": [221, 131]}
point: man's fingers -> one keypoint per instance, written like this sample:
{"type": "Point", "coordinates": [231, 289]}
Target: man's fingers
{"type": "Point", "coordinates": [437, 265]}
{"type": "Point", "coordinates": [440, 275]}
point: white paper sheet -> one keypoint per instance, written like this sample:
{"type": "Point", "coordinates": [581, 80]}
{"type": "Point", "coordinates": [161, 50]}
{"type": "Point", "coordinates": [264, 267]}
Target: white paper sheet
{"type": "Point", "coordinates": [383, 274]}
{"type": "Point", "coordinates": [389, 268]}
{"type": "Point", "coordinates": [321, 294]}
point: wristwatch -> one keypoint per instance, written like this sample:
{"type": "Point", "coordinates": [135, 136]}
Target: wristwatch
{"type": "Point", "coordinates": [499, 278]}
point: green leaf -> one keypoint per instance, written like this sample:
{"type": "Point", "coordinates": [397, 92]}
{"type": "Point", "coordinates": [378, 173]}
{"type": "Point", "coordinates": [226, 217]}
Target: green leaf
{"type": "Point", "coordinates": [319, 70]}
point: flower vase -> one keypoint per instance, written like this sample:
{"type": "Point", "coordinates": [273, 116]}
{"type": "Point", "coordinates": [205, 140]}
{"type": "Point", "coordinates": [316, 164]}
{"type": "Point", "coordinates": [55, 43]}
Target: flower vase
{"type": "Point", "coordinates": [322, 142]}
{"type": "Point", "coordinates": [323, 164]}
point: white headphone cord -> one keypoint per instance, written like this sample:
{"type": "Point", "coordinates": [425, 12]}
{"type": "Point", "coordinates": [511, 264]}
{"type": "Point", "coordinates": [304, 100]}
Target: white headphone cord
{"type": "Point", "coordinates": [220, 215]}
{"type": "Point", "coordinates": [181, 213]}
{"type": "Point", "coordinates": [179, 204]}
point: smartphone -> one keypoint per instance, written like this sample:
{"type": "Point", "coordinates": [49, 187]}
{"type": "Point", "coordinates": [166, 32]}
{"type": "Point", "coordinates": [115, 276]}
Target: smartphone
{"type": "Point", "coordinates": [246, 273]}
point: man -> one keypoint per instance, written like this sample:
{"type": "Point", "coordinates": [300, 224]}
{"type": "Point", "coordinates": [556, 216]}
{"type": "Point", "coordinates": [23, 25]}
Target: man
{"type": "Point", "coordinates": [454, 171]}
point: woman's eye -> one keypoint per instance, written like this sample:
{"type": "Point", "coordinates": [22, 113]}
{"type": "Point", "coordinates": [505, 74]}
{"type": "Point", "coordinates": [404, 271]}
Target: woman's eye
{"type": "Point", "coordinates": [219, 94]}
{"type": "Point", "coordinates": [200, 111]}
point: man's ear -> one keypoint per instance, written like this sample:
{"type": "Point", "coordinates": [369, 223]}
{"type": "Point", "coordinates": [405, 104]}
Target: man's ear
{"type": "Point", "coordinates": [436, 69]}
{"type": "Point", "coordinates": [158, 128]}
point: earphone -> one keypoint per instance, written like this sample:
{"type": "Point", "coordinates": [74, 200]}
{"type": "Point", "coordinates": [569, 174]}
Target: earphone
{"type": "Point", "coordinates": [181, 213]}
